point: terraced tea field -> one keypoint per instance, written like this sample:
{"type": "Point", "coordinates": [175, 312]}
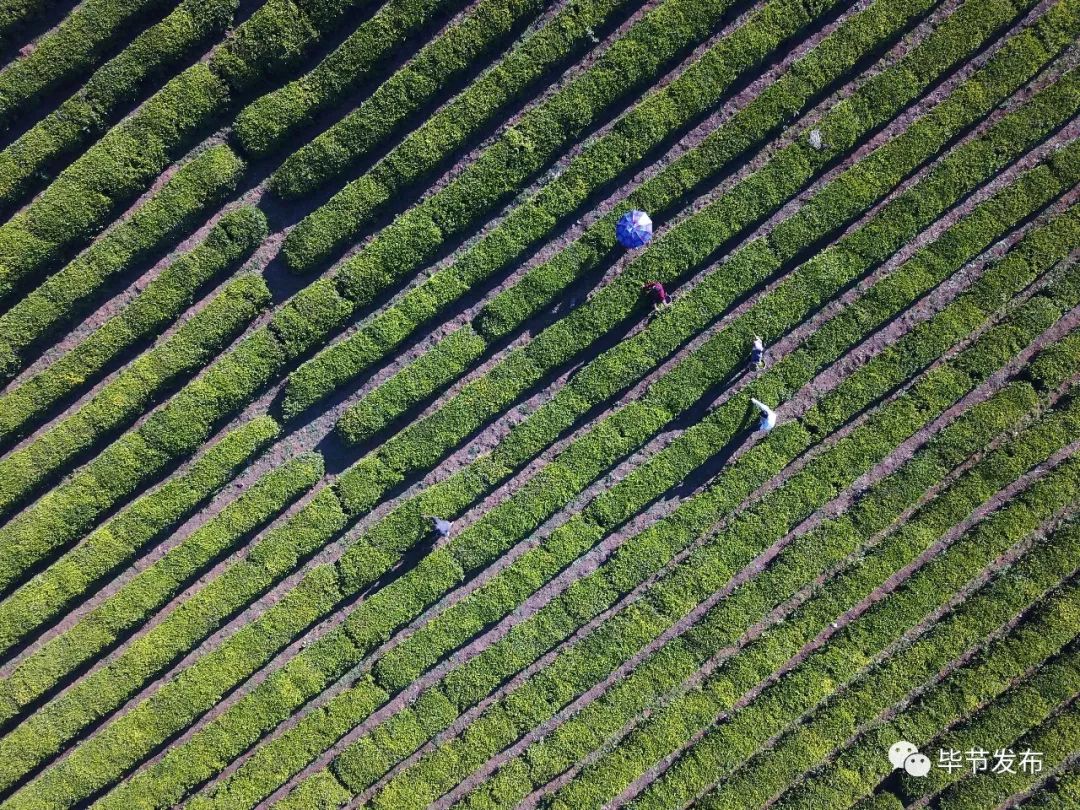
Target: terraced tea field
{"type": "Point", "coordinates": [281, 282]}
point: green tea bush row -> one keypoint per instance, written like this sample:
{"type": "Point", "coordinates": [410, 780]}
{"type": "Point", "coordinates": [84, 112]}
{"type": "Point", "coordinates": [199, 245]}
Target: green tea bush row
{"type": "Point", "coordinates": [801, 561]}
{"type": "Point", "coordinates": [541, 436]}
{"type": "Point", "coordinates": [163, 300]}
{"type": "Point", "coordinates": [377, 619]}
{"type": "Point", "coordinates": [292, 327]}
{"type": "Point", "coordinates": [1053, 435]}
{"type": "Point", "coordinates": [323, 374]}
{"type": "Point", "coordinates": [880, 801]}
{"type": "Point", "coordinates": [369, 632]}
{"type": "Point", "coordinates": [97, 695]}
{"type": "Point", "coordinates": [275, 38]}
{"type": "Point", "coordinates": [692, 379]}
{"type": "Point", "coordinates": [134, 603]}
{"type": "Point", "coordinates": [799, 690]}
{"type": "Point", "coordinates": [797, 565]}
{"type": "Point", "coordinates": [295, 328]}
{"type": "Point", "coordinates": [603, 772]}
{"type": "Point", "coordinates": [124, 399]}
{"type": "Point", "coordinates": [15, 14]}
{"type": "Point", "coordinates": [169, 434]}
{"type": "Point", "coordinates": [190, 194]}
{"type": "Point", "coordinates": [424, 441]}
{"type": "Point", "coordinates": [527, 224]}
{"type": "Point", "coordinates": [1057, 739]}
{"type": "Point", "coordinates": [1048, 368]}
{"type": "Point", "coordinates": [266, 124]}
{"type": "Point", "coordinates": [69, 51]}
{"type": "Point", "coordinates": [832, 725]}
{"type": "Point", "coordinates": [825, 275]}
{"type": "Point", "coordinates": [114, 543]}
{"type": "Point", "coordinates": [639, 56]}
{"type": "Point", "coordinates": [1003, 719]}
{"type": "Point", "coordinates": [409, 730]}
{"type": "Point", "coordinates": [120, 81]}
{"type": "Point", "coordinates": [633, 565]}
{"type": "Point", "coordinates": [541, 286]}
{"type": "Point", "coordinates": [986, 677]}
{"type": "Point", "coordinates": [931, 713]}
{"type": "Point", "coordinates": [299, 617]}
{"type": "Point", "coordinates": [106, 177]}
{"type": "Point", "coordinates": [123, 164]}
{"type": "Point", "coordinates": [359, 566]}
{"type": "Point", "coordinates": [671, 465]}
{"type": "Point", "coordinates": [425, 377]}
{"type": "Point", "coordinates": [970, 623]}
{"type": "Point", "coordinates": [580, 667]}
{"type": "Point", "coordinates": [1060, 793]}
{"type": "Point", "coordinates": [420, 81]}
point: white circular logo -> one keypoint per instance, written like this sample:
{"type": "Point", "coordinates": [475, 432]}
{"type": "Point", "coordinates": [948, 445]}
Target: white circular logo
{"type": "Point", "coordinates": [917, 764]}
{"type": "Point", "coordinates": [900, 752]}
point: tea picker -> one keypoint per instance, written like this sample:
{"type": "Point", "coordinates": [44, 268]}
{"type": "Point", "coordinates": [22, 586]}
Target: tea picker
{"type": "Point", "coordinates": [757, 354]}
{"type": "Point", "coordinates": [768, 416]}
{"type": "Point", "coordinates": [655, 290]}
{"type": "Point", "coordinates": [441, 527]}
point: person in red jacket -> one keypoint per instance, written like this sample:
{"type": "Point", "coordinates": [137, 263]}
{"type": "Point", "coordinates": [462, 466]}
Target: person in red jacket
{"type": "Point", "coordinates": [656, 292]}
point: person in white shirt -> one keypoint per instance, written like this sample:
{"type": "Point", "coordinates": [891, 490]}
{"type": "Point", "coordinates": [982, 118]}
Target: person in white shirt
{"type": "Point", "coordinates": [768, 416]}
{"type": "Point", "coordinates": [442, 527]}
{"type": "Point", "coordinates": [757, 354]}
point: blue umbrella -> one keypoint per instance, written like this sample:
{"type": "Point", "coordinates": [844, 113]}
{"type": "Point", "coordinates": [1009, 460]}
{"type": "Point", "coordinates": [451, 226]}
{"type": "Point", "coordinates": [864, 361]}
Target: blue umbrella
{"type": "Point", "coordinates": [633, 229]}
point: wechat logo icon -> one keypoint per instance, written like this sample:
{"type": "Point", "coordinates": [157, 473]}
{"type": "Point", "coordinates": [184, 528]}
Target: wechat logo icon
{"type": "Point", "coordinates": [905, 755]}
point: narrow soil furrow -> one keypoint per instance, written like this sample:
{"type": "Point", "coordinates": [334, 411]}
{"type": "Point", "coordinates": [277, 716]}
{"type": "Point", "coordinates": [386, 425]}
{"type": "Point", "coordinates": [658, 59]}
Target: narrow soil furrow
{"type": "Point", "coordinates": [902, 453]}
{"type": "Point", "coordinates": [854, 613]}
{"type": "Point", "coordinates": [942, 675]}
{"type": "Point", "coordinates": [786, 607]}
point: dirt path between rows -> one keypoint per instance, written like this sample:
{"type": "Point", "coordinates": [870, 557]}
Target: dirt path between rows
{"type": "Point", "coordinates": [292, 444]}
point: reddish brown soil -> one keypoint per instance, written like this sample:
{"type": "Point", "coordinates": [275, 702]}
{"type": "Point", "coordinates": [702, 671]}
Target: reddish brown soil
{"type": "Point", "coordinates": [315, 429]}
